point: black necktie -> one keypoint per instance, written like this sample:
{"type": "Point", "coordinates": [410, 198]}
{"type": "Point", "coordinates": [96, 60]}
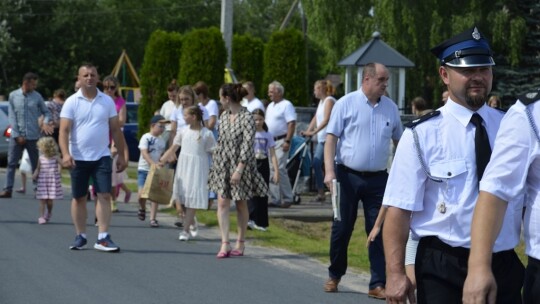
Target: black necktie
{"type": "Point", "coordinates": [481, 145]}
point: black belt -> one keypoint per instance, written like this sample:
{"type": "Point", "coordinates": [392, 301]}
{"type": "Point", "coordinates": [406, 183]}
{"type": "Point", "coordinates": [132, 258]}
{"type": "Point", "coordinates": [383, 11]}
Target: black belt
{"type": "Point", "coordinates": [362, 173]}
{"type": "Point", "coordinates": [459, 252]}
{"type": "Point", "coordinates": [276, 138]}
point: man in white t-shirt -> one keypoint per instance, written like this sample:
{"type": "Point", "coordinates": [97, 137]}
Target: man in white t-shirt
{"type": "Point", "coordinates": [251, 101]}
{"type": "Point", "coordinates": [168, 107]}
{"type": "Point", "coordinates": [87, 120]}
{"type": "Point", "coordinates": [281, 122]}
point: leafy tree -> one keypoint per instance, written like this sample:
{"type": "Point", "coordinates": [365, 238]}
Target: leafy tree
{"type": "Point", "coordinates": [160, 67]}
{"type": "Point", "coordinates": [285, 61]}
{"type": "Point", "coordinates": [203, 58]}
{"type": "Point", "coordinates": [247, 57]}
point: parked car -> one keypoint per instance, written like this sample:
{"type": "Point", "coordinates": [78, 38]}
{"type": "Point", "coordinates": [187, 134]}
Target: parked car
{"type": "Point", "coordinates": [131, 129]}
{"type": "Point", "coordinates": [5, 132]}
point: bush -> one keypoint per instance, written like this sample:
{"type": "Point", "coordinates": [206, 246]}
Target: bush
{"type": "Point", "coordinates": [160, 66]}
{"type": "Point", "coordinates": [285, 61]}
{"type": "Point", "coordinates": [203, 58]}
{"type": "Point", "coordinates": [247, 60]}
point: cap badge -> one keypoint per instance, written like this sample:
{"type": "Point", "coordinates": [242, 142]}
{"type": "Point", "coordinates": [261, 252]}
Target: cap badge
{"type": "Point", "coordinates": [476, 34]}
{"type": "Point", "coordinates": [531, 95]}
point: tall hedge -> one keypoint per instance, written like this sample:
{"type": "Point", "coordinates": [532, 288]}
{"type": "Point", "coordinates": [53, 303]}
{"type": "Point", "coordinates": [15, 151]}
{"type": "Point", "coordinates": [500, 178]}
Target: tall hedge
{"type": "Point", "coordinates": [203, 58]}
{"type": "Point", "coordinates": [159, 67]}
{"type": "Point", "coordinates": [285, 61]}
{"type": "Point", "coordinates": [247, 60]}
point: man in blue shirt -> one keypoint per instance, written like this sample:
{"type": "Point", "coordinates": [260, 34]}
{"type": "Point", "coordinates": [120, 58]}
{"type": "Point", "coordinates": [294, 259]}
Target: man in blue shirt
{"type": "Point", "coordinates": [356, 153]}
{"type": "Point", "coordinates": [25, 107]}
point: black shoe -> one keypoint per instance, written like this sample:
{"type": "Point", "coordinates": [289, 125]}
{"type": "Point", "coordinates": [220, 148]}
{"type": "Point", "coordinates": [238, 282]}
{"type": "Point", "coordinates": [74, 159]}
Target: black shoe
{"type": "Point", "coordinates": [5, 194]}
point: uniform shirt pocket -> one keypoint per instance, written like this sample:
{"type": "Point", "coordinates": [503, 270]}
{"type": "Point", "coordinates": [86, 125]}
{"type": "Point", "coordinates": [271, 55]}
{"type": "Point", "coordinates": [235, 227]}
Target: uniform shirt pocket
{"type": "Point", "coordinates": [454, 176]}
{"type": "Point", "coordinates": [448, 169]}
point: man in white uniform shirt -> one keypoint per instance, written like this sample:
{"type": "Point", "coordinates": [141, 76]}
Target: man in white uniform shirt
{"type": "Point", "coordinates": [281, 121]}
{"type": "Point", "coordinates": [433, 184]}
{"type": "Point", "coordinates": [513, 171]}
{"type": "Point", "coordinates": [356, 153]}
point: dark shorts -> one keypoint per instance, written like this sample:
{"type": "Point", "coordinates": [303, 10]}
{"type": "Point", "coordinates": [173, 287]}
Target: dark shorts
{"type": "Point", "coordinates": [100, 171]}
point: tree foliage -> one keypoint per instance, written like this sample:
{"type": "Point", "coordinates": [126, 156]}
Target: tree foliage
{"type": "Point", "coordinates": [203, 58]}
{"type": "Point", "coordinates": [52, 38]}
{"type": "Point", "coordinates": [285, 61]}
{"type": "Point", "coordinates": [160, 67]}
{"type": "Point", "coordinates": [247, 59]}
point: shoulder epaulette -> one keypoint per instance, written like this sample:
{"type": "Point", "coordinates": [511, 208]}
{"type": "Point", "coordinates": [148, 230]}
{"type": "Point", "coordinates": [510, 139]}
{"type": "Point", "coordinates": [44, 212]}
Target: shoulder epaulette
{"type": "Point", "coordinates": [529, 98]}
{"type": "Point", "coordinates": [422, 118]}
{"type": "Point", "coordinates": [502, 110]}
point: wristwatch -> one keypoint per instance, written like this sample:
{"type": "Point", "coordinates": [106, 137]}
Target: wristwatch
{"type": "Point", "coordinates": [288, 141]}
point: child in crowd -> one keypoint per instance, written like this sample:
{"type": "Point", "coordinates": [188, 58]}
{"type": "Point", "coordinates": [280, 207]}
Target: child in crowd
{"type": "Point", "coordinates": [264, 148]}
{"type": "Point", "coordinates": [24, 168]}
{"type": "Point", "coordinates": [152, 147]}
{"type": "Point", "coordinates": [191, 179]}
{"type": "Point", "coordinates": [47, 174]}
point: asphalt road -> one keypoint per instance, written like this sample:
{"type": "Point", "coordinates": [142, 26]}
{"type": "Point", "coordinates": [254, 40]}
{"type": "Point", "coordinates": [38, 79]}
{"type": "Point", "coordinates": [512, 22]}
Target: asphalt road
{"type": "Point", "coordinates": [153, 266]}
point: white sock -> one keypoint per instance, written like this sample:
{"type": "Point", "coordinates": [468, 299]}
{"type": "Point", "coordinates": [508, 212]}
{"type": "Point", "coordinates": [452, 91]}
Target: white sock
{"type": "Point", "coordinates": [102, 235]}
{"type": "Point", "coordinates": [83, 235]}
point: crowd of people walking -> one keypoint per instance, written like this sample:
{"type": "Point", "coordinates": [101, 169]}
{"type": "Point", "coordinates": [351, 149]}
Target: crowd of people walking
{"type": "Point", "coordinates": [442, 223]}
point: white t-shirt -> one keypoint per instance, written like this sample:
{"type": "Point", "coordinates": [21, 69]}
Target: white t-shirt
{"type": "Point", "coordinates": [155, 147]}
{"type": "Point", "coordinates": [166, 111]}
{"type": "Point", "coordinates": [319, 116]}
{"type": "Point", "coordinates": [278, 115]}
{"type": "Point", "coordinates": [178, 116]}
{"type": "Point", "coordinates": [89, 136]}
{"type": "Point", "coordinates": [213, 110]}
{"type": "Point", "coordinates": [255, 103]}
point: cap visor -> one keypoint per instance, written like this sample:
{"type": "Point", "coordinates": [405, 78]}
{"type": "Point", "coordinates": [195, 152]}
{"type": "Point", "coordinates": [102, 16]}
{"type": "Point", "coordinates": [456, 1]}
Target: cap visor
{"type": "Point", "coordinates": [471, 61]}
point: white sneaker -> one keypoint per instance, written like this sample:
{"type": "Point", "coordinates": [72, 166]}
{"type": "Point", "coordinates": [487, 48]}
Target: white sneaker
{"type": "Point", "coordinates": [257, 227]}
{"type": "Point", "coordinates": [184, 236]}
{"type": "Point", "coordinates": [251, 225]}
{"type": "Point", "coordinates": [194, 229]}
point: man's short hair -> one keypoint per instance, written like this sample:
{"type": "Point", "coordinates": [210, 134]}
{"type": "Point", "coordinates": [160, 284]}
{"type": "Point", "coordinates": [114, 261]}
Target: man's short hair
{"type": "Point", "coordinates": [30, 76]}
{"type": "Point", "coordinates": [276, 84]}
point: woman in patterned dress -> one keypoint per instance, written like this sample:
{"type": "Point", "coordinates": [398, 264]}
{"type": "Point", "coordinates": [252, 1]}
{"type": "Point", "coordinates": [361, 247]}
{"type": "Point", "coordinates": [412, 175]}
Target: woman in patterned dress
{"type": "Point", "coordinates": [234, 175]}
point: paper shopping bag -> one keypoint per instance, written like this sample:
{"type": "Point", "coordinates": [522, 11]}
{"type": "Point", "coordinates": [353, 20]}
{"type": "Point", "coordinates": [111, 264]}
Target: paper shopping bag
{"type": "Point", "coordinates": [158, 185]}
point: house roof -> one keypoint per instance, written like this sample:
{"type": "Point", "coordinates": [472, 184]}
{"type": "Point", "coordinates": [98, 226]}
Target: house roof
{"type": "Point", "coordinates": [376, 50]}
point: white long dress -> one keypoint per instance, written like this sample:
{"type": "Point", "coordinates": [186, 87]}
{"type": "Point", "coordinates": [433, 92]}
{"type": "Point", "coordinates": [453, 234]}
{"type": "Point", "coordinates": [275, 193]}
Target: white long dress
{"type": "Point", "coordinates": [191, 178]}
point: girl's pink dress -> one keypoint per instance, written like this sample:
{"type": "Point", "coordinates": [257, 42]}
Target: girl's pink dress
{"type": "Point", "coordinates": [49, 185]}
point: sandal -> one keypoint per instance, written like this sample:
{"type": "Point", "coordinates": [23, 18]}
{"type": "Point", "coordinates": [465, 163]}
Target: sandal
{"type": "Point", "coordinates": [154, 224]}
{"type": "Point", "coordinates": [224, 254]}
{"type": "Point", "coordinates": [22, 191]}
{"type": "Point", "coordinates": [238, 252]}
{"type": "Point", "coordinates": [141, 214]}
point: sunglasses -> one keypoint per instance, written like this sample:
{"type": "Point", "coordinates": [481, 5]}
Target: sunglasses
{"type": "Point", "coordinates": [109, 87]}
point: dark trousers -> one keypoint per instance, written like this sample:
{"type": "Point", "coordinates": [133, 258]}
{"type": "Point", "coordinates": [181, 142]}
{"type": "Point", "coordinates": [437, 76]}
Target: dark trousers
{"type": "Point", "coordinates": [441, 271]}
{"type": "Point", "coordinates": [258, 205]}
{"type": "Point", "coordinates": [354, 187]}
{"type": "Point", "coordinates": [15, 153]}
{"type": "Point", "coordinates": [531, 288]}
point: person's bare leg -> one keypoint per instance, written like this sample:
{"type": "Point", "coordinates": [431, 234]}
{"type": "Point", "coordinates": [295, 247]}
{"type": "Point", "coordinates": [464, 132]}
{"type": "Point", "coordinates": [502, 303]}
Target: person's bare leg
{"type": "Point", "coordinates": [79, 214]}
{"type": "Point", "coordinates": [242, 216]}
{"type": "Point", "coordinates": [103, 211]}
{"type": "Point", "coordinates": [188, 218]}
{"type": "Point", "coordinates": [153, 210]}
{"type": "Point", "coordinates": [223, 220]}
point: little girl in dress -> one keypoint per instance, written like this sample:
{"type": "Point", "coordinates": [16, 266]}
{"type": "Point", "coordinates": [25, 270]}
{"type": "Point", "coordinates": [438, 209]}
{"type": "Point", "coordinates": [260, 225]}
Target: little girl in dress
{"type": "Point", "coordinates": [47, 174]}
{"type": "Point", "coordinates": [191, 178]}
